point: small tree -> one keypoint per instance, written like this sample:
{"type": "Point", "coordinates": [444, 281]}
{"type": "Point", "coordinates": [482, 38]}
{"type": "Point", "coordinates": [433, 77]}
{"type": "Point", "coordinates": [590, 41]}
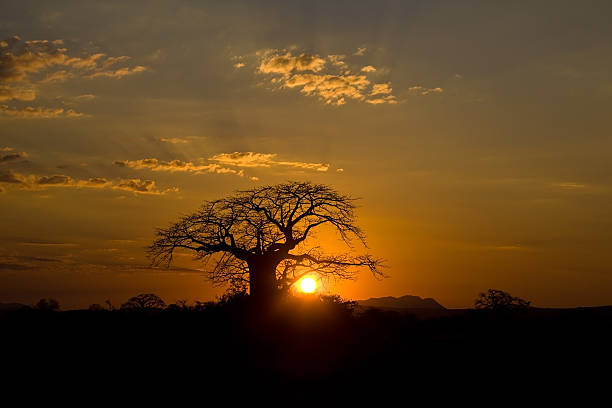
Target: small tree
{"type": "Point", "coordinates": [261, 239]}
{"type": "Point", "coordinates": [47, 305]}
{"type": "Point", "coordinates": [499, 300]}
{"type": "Point", "coordinates": [145, 301]}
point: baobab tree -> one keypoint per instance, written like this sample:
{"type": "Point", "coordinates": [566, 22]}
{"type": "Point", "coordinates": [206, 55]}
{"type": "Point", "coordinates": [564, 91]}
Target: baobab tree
{"type": "Point", "coordinates": [263, 238]}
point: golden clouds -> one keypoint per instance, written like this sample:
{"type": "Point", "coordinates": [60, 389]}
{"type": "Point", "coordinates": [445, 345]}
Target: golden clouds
{"type": "Point", "coordinates": [424, 91]}
{"type": "Point", "coordinates": [26, 66]}
{"type": "Point", "coordinates": [174, 166]}
{"type": "Point", "coordinates": [223, 163]}
{"type": "Point", "coordinates": [273, 63]}
{"type": "Point", "coordinates": [30, 112]}
{"type": "Point", "coordinates": [37, 182]}
{"type": "Point", "coordinates": [119, 73]}
{"type": "Point", "coordinates": [251, 159]}
{"type": "Point", "coordinates": [17, 180]}
{"type": "Point", "coordinates": [378, 89]}
{"type": "Point", "coordinates": [8, 93]}
{"type": "Point", "coordinates": [330, 80]}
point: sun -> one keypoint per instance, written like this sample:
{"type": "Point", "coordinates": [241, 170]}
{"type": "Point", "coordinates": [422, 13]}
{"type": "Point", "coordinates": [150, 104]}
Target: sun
{"type": "Point", "coordinates": [308, 285]}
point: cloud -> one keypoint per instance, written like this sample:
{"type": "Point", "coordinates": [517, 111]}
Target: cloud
{"type": "Point", "coordinates": [379, 101]}
{"type": "Point", "coordinates": [119, 73]}
{"type": "Point", "coordinates": [8, 93]}
{"type": "Point", "coordinates": [37, 182]}
{"type": "Point", "coordinates": [14, 266]}
{"type": "Point", "coordinates": [424, 91]}
{"type": "Point", "coordinates": [173, 140]}
{"type": "Point", "coordinates": [27, 65]}
{"type": "Point", "coordinates": [360, 51]}
{"type": "Point", "coordinates": [57, 76]}
{"type": "Point", "coordinates": [85, 97]}
{"type": "Point", "coordinates": [6, 149]}
{"type": "Point", "coordinates": [9, 177]}
{"type": "Point", "coordinates": [245, 159]}
{"type": "Point", "coordinates": [141, 186]}
{"type": "Point", "coordinates": [337, 60]}
{"type": "Point", "coordinates": [30, 112]}
{"type": "Point", "coordinates": [330, 88]}
{"type": "Point", "coordinates": [173, 166]}
{"type": "Point", "coordinates": [332, 83]}
{"type": "Point", "coordinates": [570, 186]}
{"type": "Point", "coordinates": [239, 65]}
{"type": "Point", "coordinates": [223, 163]}
{"type": "Point", "coordinates": [251, 159]}
{"type": "Point", "coordinates": [13, 156]}
{"type": "Point", "coordinates": [378, 89]}
{"type": "Point", "coordinates": [284, 64]}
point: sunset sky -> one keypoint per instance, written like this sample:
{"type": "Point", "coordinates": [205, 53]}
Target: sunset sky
{"type": "Point", "coordinates": [478, 135]}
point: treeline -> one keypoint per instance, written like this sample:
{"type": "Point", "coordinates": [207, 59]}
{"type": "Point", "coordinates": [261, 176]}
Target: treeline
{"type": "Point", "coordinates": [309, 339]}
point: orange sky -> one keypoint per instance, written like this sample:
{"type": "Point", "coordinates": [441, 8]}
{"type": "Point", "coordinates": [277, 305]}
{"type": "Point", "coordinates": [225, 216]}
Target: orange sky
{"type": "Point", "coordinates": [477, 135]}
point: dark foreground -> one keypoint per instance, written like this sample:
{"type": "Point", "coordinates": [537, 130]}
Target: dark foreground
{"type": "Point", "coordinates": [307, 342]}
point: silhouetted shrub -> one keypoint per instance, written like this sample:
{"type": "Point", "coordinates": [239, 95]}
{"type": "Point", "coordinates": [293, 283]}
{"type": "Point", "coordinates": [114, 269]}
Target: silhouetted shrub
{"type": "Point", "coordinates": [144, 301]}
{"type": "Point", "coordinates": [47, 305]}
{"type": "Point", "coordinates": [499, 300]}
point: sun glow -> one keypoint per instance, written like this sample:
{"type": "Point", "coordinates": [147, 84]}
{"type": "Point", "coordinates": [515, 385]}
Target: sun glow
{"type": "Point", "coordinates": [308, 285]}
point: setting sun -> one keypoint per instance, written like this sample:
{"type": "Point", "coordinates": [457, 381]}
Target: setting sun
{"type": "Point", "coordinates": [308, 285]}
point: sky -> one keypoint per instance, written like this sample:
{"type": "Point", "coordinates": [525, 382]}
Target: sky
{"type": "Point", "coordinates": [477, 135]}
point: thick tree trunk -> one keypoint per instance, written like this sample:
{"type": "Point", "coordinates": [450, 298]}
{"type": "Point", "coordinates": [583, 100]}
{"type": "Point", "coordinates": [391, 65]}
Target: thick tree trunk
{"type": "Point", "coordinates": [262, 285]}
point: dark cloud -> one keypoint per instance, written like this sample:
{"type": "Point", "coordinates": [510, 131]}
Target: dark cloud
{"type": "Point", "coordinates": [9, 177]}
{"type": "Point", "coordinates": [12, 156]}
{"type": "Point", "coordinates": [36, 182]}
{"type": "Point", "coordinates": [14, 267]}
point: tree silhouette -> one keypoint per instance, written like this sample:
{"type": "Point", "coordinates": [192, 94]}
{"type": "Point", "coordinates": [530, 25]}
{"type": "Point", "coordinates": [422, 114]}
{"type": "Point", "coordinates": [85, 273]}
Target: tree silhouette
{"type": "Point", "coordinates": [499, 300]}
{"type": "Point", "coordinates": [47, 305]}
{"type": "Point", "coordinates": [262, 238]}
{"type": "Point", "coordinates": [145, 301]}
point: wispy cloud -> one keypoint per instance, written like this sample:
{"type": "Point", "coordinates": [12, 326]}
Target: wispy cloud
{"type": "Point", "coordinates": [30, 112]}
{"type": "Point", "coordinates": [12, 156]}
{"type": "Point", "coordinates": [174, 166]}
{"type": "Point", "coordinates": [119, 73]}
{"type": "Point", "coordinates": [417, 89]}
{"type": "Point", "coordinates": [251, 159]}
{"type": "Point", "coordinates": [85, 97]}
{"type": "Point", "coordinates": [222, 163]}
{"type": "Point", "coordinates": [38, 182]}
{"type": "Point", "coordinates": [570, 186]}
{"type": "Point", "coordinates": [26, 66]}
{"type": "Point", "coordinates": [173, 140]}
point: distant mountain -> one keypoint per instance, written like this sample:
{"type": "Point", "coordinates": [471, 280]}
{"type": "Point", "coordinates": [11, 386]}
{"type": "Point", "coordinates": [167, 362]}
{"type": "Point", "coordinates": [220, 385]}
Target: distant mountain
{"type": "Point", "coordinates": [404, 302]}
{"type": "Point", "coordinates": [5, 307]}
